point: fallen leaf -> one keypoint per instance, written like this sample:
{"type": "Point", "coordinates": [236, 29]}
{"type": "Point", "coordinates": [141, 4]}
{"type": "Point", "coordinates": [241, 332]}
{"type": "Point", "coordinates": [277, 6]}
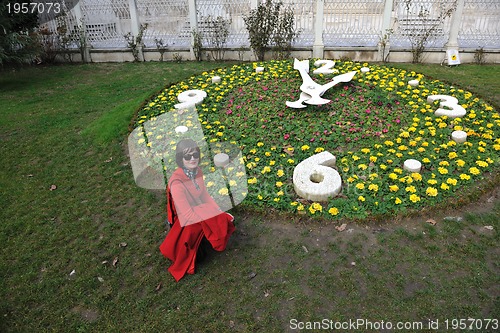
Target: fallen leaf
{"type": "Point", "coordinates": [53, 187]}
{"type": "Point", "coordinates": [73, 272]}
{"type": "Point", "coordinates": [30, 175]}
{"type": "Point", "coordinates": [305, 248]}
{"type": "Point", "coordinates": [158, 287]}
{"type": "Point", "coordinates": [100, 279]}
{"type": "Point", "coordinates": [123, 244]}
{"type": "Point", "coordinates": [488, 227]}
{"type": "Point", "coordinates": [431, 221]}
{"type": "Point", "coordinates": [252, 275]}
{"type": "Point", "coordinates": [231, 323]}
{"type": "Point", "coordinates": [115, 261]}
{"type": "Point", "coordinates": [341, 228]}
{"type": "Point", "coordinates": [104, 262]}
{"type": "Point", "coordinates": [109, 160]}
{"type": "Point", "coordinates": [353, 263]}
{"type": "Point", "coordinates": [267, 293]}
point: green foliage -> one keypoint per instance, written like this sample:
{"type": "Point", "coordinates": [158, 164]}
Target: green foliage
{"type": "Point", "coordinates": [216, 35]}
{"type": "Point", "coordinates": [17, 42]}
{"type": "Point", "coordinates": [197, 44]}
{"type": "Point", "coordinates": [269, 27]}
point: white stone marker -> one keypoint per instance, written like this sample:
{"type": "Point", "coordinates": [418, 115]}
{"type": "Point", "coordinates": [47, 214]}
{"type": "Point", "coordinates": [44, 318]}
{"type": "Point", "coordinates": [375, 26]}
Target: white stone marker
{"type": "Point", "coordinates": [259, 69]}
{"type": "Point", "coordinates": [315, 179]}
{"type": "Point", "coordinates": [181, 129]}
{"type": "Point", "coordinates": [413, 83]}
{"type": "Point", "coordinates": [216, 79]}
{"type": "Point", "coordinates": [412, 165]}
{"type": "Point", "coordinates": [221, 160]}
{"type": "Point", "coordinates": [459, 136]}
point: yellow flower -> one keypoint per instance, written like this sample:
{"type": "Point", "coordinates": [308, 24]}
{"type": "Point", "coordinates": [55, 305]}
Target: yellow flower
{"type": "Point", "coordinates": [482, 164]}
{"type": "Point", "coordinates": [393, 176]}
{"type": "Point", "coordinates": [474, 171]}
{"type": "Point", "coordinates": [452, 155]}
{"type": "Point", "coordinates": [443, 171]}
{"type": "Point", "coordinates": [411, 189]}
{"type": "Point", "coordinates": [305, 147]}
{"type": "Point", "coordinates": [464, 176]}
{"type": "Point", "coordinates": [319, 150]}
{"type": "Point", "coordinates": [280, 193]}
{"type": "Point", "coordinates": [361, 198]}
{"type": "Point", "coordinates": [252, 180]}
{"type": "Point", "coordinates": [451, 181]}
{"type": "Point", "coordinates": [266, 169]}
{"type": "Point", "coordinates": [280, 173]}
{"type": "Point", "coordinates": [333, 211]}
{"type": "Point", "coordinates": [393, 188]}
{"type": "Point", "coordinates": [271, 163]}
{"type": "Point", "coordinates": [223, 191]}
{"type": "Point", "coordinates": [360, 186]}
{"type": "Point", "coordinates": [259, 197]}
{"type": "Point", "coordinates": [444, 186]}
{"type": "Point", "coordinates": [373, 187]}
{"type": "Point", "coordinates": [294, 203]}
{"type": "Point", "coordinates": [279, 184]}
{"type": "Point", "coordinates": [397, 201]}
{"type": "Point", "coordinates": [260, 144]}
{"type": "Point", "coordinates": [290, 161]}
{"type": "Point", "coordinates": [414, 198]}
{"type": "Point", "coordinates": [219, 134]}
{"type": "Point", "coordinates": [431, 191]}
{"type": "Point", "coordinates": [416, 176]}
{"type": "Point", "coordinates": [460, 163]}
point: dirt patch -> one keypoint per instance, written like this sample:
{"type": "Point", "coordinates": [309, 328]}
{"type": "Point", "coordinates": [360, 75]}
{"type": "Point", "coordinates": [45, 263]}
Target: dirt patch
{"type": "Point", "coordinates": [90, 316]}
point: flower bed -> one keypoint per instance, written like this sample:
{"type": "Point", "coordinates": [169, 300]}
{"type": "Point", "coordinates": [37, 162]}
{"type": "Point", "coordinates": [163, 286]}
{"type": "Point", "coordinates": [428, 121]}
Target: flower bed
{"type": "Point", "coordinates": [372, 125]}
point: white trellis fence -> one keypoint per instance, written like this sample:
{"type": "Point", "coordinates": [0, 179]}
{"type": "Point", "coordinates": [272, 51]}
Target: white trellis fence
{"type": "Point", "coordinates": [354, 28]}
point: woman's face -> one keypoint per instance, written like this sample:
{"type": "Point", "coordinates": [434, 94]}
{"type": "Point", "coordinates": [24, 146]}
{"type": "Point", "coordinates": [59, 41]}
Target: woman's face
{"type": "Point", "coordinates": [191, 159]}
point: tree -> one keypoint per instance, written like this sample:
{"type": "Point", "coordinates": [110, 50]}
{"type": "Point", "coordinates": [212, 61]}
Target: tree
{"type": "Point", "coordinates": [17, 43]}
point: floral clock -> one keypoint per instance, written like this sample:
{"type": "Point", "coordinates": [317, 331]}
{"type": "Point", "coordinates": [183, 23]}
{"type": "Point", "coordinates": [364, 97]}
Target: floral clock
{"type": "Point", "coordinates": [380, 140]}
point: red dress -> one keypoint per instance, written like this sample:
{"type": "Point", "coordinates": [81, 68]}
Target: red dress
{"type": "Point", "coordinates": [196, 215]}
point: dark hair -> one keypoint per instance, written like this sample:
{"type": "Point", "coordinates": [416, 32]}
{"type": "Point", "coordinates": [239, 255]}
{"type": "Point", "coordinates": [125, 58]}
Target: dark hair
{"type": "Point", "coordinates": [185, 146]}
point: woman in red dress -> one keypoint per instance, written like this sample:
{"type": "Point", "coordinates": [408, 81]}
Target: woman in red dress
{"type": "Point", "coordinates": [193, 214]}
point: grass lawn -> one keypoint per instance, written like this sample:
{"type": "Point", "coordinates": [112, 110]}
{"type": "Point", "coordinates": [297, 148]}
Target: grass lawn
{"type": "Point", "coordinates": [80, 240]}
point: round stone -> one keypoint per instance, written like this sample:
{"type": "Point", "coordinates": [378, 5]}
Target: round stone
{"type": "Point", "coordinates": [221, 160]}
{"type": "Point", "coordinates": [216, 79]}
{"type": "Point", "coordinates": [181, 129]}
{"type": "Point", "coordinates": [365, 70]}
{"type": "Point", "coordinates": [259, 69]}
{"type": "Point", "coordinates": [412, 165]}
{"type": "Point", "coordinates": [459, 136]}
{"type": "Point", "coordinates": [413, 83]}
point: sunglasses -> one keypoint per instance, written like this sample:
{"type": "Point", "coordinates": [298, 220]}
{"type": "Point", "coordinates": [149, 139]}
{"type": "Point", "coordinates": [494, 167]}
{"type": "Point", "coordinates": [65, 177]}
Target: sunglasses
{"type": "Point", "coordinates": [188, 157]}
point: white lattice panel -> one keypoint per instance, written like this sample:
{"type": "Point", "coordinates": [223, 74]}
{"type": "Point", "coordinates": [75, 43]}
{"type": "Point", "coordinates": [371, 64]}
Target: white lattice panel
{"type": "Point", "coordinates": [168, 20]}
{"type": "Point", "coordinates": [232, 10]}
{"type": "Point", "coordinates": [106, 22]}
{"type": "Point", "coordinates": [480, 24]}
{"type": "Point", "coordinates": [415, 17]}
{"type": "Point", "coordinates": [352, 22]}
{"type": "Point", "coordinates": [304, 20]}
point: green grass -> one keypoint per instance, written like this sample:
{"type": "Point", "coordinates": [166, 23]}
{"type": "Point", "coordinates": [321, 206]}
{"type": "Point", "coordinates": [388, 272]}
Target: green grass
{"type": "Point", "coordinates": [67, 126]}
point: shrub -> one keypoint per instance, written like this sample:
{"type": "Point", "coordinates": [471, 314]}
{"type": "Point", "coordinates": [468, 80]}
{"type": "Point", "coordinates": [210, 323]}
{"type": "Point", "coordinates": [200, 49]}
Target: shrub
{"type": "Point", "coordinates": [269, 26]}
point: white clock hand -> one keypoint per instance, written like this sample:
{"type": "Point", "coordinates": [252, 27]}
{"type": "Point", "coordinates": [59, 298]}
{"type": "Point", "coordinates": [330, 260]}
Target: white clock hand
{"type": "Point", "coordinates": [347, 77]}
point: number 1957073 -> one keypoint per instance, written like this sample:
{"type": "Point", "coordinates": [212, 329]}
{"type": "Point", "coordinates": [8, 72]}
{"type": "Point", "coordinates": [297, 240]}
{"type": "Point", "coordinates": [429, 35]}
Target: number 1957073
{"type": "Point", "coordinates": [34, 7]}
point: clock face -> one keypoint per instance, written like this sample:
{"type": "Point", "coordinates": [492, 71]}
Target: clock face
{"type": "Point", "coordinates": [372, 124]}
